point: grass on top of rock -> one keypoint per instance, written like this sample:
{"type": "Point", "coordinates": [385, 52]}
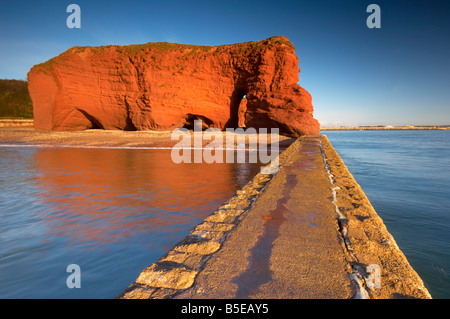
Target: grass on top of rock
{"type": "Point", "coordinates": [159, 48]}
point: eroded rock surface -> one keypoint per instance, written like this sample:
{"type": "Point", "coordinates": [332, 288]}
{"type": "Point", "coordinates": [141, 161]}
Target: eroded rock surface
{"type": "Point", "coordinates": [162, 86]}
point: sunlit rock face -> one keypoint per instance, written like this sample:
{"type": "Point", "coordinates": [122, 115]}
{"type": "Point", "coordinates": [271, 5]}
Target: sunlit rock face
{"type": "Point", "coordinates": [162, 86]}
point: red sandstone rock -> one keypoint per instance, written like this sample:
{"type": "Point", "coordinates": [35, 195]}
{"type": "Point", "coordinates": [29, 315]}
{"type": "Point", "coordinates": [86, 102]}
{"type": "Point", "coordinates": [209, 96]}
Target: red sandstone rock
{"type": "Point", "coordinates": [242, 110]}
{"type": "Point", "coordinates": [160, 86]}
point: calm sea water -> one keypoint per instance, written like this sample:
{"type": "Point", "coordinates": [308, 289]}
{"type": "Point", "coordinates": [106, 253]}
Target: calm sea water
{"type": "Point", "coordinates": [113, 212]}
{"type": "Point", "coordinates": [406, 176]}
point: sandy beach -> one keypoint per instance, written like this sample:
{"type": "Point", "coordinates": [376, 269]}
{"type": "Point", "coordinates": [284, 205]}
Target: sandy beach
{"type": "Point", "coordinates": [90, 138]}
{"type": "Point", "coordinates": [104, 138]}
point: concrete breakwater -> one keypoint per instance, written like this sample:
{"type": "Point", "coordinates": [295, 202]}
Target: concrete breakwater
{"type": "Point", "coordinates": [307, 231]}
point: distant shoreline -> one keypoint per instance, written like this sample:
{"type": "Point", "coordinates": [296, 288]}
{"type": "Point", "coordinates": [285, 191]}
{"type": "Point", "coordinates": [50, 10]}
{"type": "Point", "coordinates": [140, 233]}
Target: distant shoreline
{"type": "Point", "coordinates": [382, 128]}
{"type": "Point", "coordinates": [29, 122]}
{"type": "Point", "coordinates": [11, 122]}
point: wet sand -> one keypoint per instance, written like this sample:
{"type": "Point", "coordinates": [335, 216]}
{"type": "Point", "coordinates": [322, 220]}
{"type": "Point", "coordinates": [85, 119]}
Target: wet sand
{"type": "Point", "coordinates": [91, 138]}
{"type": "Point", "coordinates": [102, 138]}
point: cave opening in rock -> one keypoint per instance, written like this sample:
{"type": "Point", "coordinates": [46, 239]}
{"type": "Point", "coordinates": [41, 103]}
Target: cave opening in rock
{"type": "Point", "coordinates": [95, 123]}
{"type": "Point", "coordinates": [238, 107]}
{"type": "Point", "coordinates": [129, 126]}
{"type": "Point", "coordinates": [190, 118]}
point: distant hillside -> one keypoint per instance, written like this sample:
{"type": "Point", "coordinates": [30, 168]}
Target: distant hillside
{"type": "Point", "coordinates": [15, 102]}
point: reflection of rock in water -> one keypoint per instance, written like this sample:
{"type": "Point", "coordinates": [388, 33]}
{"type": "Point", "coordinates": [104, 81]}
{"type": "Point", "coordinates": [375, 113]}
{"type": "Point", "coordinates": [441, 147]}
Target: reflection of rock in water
{"type": "Point", "coordinates": [244, 174]}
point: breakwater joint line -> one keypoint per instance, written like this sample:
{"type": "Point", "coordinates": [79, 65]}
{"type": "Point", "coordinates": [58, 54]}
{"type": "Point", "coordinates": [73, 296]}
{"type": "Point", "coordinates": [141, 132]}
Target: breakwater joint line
{"type": "Point", "coordinates": [258, 271]}
{"type": "Point", "coordinates": [358, 272]}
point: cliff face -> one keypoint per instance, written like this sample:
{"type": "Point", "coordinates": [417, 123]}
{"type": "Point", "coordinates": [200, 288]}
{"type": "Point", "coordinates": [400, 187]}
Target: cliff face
{"type": "Point", "coordinates": [162, 86]}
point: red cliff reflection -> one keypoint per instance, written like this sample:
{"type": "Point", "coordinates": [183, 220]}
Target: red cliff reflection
{"type": "Point", "coordinates": [95, 196]}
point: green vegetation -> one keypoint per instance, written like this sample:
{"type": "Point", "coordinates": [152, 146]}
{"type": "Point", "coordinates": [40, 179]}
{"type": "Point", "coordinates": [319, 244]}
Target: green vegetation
{"type": "Point", "coordinates": [47, 66]}
{"type": "Point", "coordinates": [282, 41]}
{"type": "Point", "coordinates": [133, 49]}
{"type": "Point", "coordinates": [15, 102]}
{"type": "Point", "coordinates": [158, 49]}
{"type": "Point", "coordinates": [162, 46]}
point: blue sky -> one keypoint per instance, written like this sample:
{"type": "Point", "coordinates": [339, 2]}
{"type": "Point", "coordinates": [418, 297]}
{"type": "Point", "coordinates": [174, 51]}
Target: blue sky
{"type": "Point", "coordinates": [396, 75]}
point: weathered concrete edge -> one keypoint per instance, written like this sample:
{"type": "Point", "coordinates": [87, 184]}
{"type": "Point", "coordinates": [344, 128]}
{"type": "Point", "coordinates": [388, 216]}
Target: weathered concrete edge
{"type": "Point", "coordinates": [367, 240]}
{"type": "Point", "coordinates": [177, 269]}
